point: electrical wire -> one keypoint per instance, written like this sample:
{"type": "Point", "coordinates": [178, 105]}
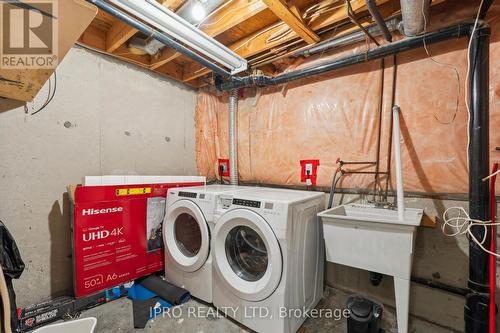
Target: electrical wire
{"type": "Point", "coordinates": [467, 79]}
{"type": "Point", "coordinates": [491, 176]}
{"type": "Point", "coordinates": [462, 224]}
{"type": "Point", "coordinates": [50, 96]}
{"type": "Point", "coordinates": [454, 68]}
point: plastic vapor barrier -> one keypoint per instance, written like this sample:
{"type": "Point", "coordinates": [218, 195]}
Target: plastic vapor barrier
{"type": "Point", "coordinates": [338, 115]}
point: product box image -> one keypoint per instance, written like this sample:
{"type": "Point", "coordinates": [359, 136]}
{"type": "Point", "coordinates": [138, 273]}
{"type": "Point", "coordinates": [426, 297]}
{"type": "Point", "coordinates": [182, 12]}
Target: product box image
{"type": "Point", "coordinates": [117, 232]}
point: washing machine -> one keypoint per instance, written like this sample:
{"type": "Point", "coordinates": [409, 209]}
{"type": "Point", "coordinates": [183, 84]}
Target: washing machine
{"type": "Point", "coordinates": [187, 229]}
{"type": "Point", "coordinates": [268, 257]}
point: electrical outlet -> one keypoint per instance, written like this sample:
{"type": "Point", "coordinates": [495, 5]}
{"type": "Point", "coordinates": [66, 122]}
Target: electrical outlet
{"type": "Point", "coordinates": [309, 172]}
{"type": "Point", "coordinates": [223, 168]}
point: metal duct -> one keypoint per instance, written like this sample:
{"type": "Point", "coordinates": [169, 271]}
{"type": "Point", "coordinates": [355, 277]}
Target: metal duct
{"type": "Point", "coordinates": [143, 46]}
{"type": "Point", "coordinates": [415, 14]}
{"type": "Point", "coordinates": [233, 137]}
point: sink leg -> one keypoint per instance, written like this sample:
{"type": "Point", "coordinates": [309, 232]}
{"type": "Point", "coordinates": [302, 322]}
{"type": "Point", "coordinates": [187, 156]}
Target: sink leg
{"type": "Point", "coordinates": [402, 291]}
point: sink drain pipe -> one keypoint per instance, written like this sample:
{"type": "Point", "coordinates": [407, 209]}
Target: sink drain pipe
{"type": "Point", "coordinates": [476, 307]}
{"type": "Point", "coordinates": [233, 137]}
{"type": "Point", "coordinates": [397, 158]}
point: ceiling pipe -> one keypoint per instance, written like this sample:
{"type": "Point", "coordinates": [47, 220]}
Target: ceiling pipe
{"type": "Point", "coordinates": [167, 41]}
{"type": "Point", "coordinates": [352, 17]}
{"type": "Point", "coordinates": [452, 32]}
{"type": "Point", "coordinates": [484, 9]}
{"type": "Point", "coordinates": [379, 20]}
{"type": "Point", "coordinates": [351, 38]}
{"type": "Point", "coordinates": [415, 14]}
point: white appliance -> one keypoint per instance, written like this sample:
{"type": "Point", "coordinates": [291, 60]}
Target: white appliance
{"type": "Point", "coordinates": [187, 230]}
{"type": "Point", "coordinates": [268, 253]}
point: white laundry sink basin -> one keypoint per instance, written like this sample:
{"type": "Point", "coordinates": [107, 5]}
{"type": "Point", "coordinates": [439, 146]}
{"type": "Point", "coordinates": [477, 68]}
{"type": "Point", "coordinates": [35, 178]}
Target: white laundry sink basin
{"type": "Point", "coordinates": [375, 239]}
{"type": "Point", "coordinates": [372, 213]}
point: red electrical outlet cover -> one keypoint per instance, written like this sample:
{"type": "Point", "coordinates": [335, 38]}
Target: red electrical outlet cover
{"type": "Point", "coordinates": [309, 171]}
{"type": "Point", "coordinates": [224, 171]}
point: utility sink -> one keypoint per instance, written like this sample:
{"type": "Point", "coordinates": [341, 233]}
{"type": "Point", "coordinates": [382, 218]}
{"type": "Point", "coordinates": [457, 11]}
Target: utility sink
{"type": "Point", "coordinates": [376, 239]}
{"type": "Point", "coordinates": [373, 213]}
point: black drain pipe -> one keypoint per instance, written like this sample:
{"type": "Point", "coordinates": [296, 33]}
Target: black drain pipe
{"type": "Point", "coordinates": [453, 32]}
{"type": "Point", "coordinates": [477, 302]}
{"type": "Point", "coordinates": [476, 308]}
{"type": "Point", "coordinates": [379, 20]}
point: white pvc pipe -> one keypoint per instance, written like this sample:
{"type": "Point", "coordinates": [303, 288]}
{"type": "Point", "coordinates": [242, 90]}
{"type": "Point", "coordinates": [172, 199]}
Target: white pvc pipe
{"type": "Point", "coordinates": [396, 139]}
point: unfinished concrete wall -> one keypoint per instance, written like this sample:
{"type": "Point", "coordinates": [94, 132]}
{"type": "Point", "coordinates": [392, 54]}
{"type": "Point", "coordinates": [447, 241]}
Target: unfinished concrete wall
{"type": "Point", "coordinates": [106, 118]}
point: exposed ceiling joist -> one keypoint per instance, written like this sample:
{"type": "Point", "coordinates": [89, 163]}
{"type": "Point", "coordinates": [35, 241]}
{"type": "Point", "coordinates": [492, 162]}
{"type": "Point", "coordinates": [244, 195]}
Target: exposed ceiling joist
{"type": "Point", "coordinates": [121, 32]}
{"type": "Point", "coordinates": [259, 30]}
{"type": "Point", "coordinates": [96, 39]}
{"type": "Point", "coordinates": [262, 40]}
{"type": "Point", "coordinates": [222, 20]}
{"type": "Point", "coordinates": [293, 20]}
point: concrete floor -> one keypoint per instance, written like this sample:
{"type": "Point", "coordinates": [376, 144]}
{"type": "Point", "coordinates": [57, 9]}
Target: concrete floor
{"type": "Point", "coordinates": [116, 316]}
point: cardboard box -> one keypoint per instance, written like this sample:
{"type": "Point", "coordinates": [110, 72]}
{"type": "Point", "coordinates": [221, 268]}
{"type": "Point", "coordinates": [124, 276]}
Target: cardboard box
{"type": "Point", "coordinates": [117, 233]}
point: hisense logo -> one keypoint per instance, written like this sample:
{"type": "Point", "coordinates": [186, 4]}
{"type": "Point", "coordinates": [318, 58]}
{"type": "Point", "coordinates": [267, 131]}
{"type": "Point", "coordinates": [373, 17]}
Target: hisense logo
{"type": "Point", "coordinates": [92, 211]}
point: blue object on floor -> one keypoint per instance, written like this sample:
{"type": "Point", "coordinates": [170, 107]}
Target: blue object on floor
{"type": "Point", "coordinates": [115, 293]}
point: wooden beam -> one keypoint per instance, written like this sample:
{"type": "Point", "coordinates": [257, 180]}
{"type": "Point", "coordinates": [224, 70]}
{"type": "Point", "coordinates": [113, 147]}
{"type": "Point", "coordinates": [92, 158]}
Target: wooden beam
{"type": "Point", "coordinates": [295, 23]}
{"type": "Point", "coordinates": [172, 70]}
{"type": "Point", "coordinates": [124, 53]}
{"type": "Point", "coordinates": [293, 7]}
{"type": "Point", "coordinates": [96, 38]}
{"type": "Point", "coordinates": [222, 21]}
{"type": "Point", "coordinates": [259, 42]}
{"type": "Point", "coordinates": [121, 32]}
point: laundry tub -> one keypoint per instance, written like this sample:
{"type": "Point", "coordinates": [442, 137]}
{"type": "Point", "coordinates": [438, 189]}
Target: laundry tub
{"type": "Point", "coordinates": [375, 239]}
{"type": "Point", "coordinates": [85, 325]}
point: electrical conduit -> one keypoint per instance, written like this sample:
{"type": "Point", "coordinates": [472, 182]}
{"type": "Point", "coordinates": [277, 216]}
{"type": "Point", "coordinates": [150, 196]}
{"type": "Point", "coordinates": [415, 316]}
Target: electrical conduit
{"type": "Point", "coordinates": [233, 137]}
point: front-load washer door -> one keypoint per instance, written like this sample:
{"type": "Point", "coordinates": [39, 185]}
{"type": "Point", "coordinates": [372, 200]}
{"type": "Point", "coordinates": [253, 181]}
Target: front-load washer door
{"type": "Point", "coordinates": [186, 236]}
{"type": "Point", "coordinates": [247, 255]}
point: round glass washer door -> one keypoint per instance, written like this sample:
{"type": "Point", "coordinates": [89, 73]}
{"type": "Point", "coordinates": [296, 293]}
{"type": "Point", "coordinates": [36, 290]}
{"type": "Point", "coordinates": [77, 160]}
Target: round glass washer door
{"type": "Point", "coordinates": [247, 255]}
{"type": "Point", "coordinates": [186, 236]}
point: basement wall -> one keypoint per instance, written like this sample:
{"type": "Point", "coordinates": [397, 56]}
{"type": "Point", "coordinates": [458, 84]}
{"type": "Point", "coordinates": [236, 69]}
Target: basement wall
{"type": "Point", "coordinates": [107, 117]}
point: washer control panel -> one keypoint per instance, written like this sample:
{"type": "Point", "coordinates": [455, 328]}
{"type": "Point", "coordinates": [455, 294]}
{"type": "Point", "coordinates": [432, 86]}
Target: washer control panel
{"type": "Point", "coordinates": [187, 194]}
{"type": "Point", "coordinates": [246, 203]}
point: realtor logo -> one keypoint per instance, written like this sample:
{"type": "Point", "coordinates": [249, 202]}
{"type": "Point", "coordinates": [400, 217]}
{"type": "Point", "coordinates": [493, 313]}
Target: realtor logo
{"type": "Point", "coordinates": [29, 34]}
